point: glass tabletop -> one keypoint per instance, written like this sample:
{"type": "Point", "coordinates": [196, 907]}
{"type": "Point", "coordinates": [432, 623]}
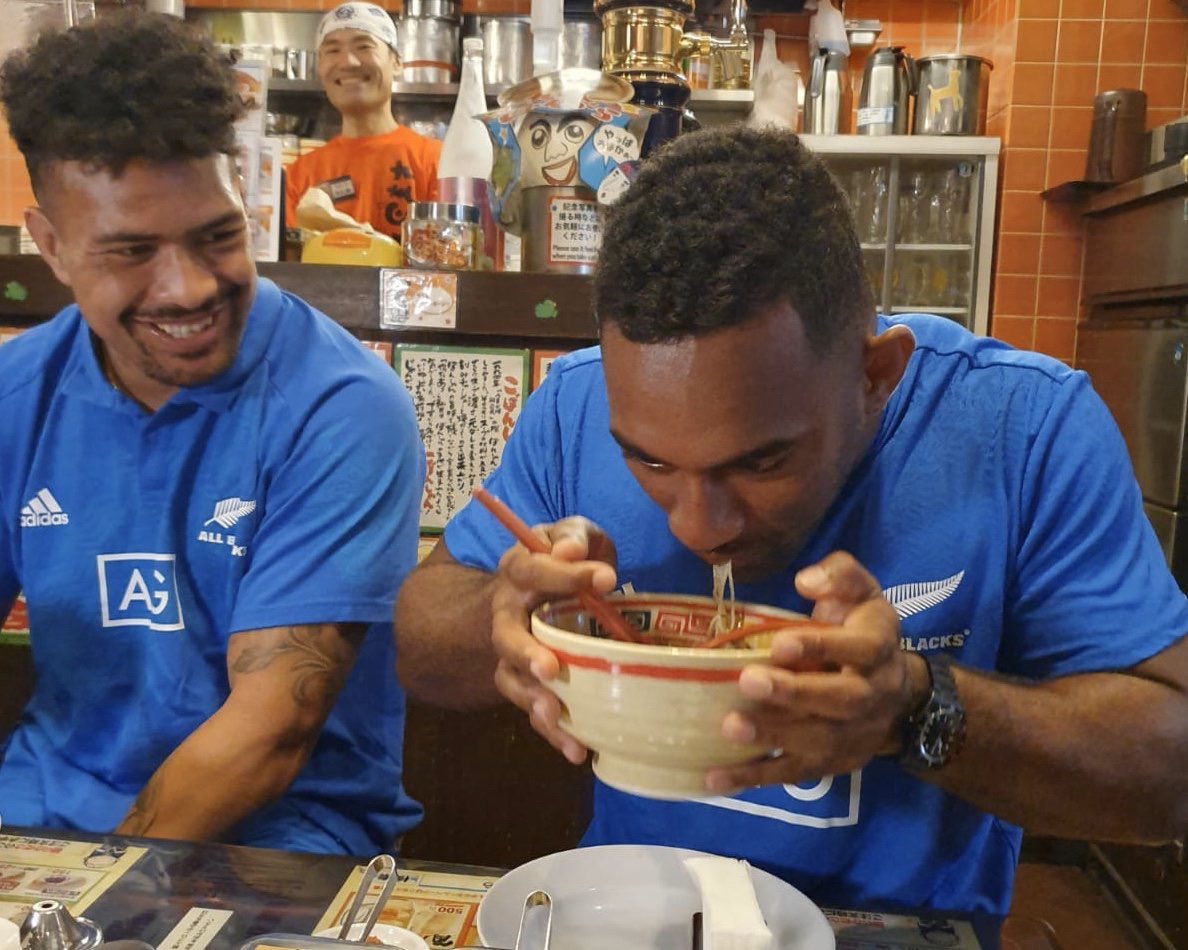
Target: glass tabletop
{"type": "Point", "coordinates": [267, 891]}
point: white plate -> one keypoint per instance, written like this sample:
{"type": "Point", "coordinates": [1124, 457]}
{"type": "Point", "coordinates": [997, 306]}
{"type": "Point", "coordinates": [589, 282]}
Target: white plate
{"type": "Point", "coordinates": [386, 934]}
{"type": "Point", "coordinates": [616, 896]}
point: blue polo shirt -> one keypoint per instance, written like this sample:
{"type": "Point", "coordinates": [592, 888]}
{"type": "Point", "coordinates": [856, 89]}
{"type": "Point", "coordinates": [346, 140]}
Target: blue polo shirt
{"type": "Point", "coordinates": [997, 508]}
{"type": "Point", "coordinates": [284, 491]}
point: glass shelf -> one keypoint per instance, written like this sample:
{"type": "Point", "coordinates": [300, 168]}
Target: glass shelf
{"type": "Point", "coordinates": [933, 247]}
{"type": "Point", "coordinates": [928, 308]}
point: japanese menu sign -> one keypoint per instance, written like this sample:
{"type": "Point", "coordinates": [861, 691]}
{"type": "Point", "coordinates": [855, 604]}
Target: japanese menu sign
{"type": "Point", "coordinates": [863, 930]}
{"type": "Point", "coordinates": [441, 908]}
{"type": "Point", "coordinates": [34, 869]}
{"type": "Point", "coordinates": [468, 401]}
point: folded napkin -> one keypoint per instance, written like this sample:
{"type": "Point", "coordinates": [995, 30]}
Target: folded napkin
{"type": "Point", "coordinates": [731, 919]}
{"type": "Point", "coordinates": [316, 212]}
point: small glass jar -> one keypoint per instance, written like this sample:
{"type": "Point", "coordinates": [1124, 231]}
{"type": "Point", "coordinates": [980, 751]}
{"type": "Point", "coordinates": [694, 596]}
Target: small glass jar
{"type": "Point", "coordinates": [440, 236]}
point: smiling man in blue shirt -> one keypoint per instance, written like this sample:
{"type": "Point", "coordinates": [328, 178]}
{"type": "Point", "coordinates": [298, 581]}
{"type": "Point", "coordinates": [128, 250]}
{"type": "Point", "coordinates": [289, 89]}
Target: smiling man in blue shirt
{"type": "Point", "coordinates": [209, 492]}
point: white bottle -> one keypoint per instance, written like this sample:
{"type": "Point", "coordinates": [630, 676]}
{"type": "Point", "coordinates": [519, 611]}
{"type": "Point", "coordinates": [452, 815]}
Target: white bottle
{"type": "Point", "coordinates": [464, 169]}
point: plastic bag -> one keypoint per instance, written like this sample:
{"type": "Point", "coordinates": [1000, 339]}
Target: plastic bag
{"type": "Point", "coordinates": [777, 88]}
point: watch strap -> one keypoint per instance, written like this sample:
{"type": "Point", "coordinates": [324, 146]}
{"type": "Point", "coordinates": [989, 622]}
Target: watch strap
{"type": "Point", "coordinates": [934, 732]}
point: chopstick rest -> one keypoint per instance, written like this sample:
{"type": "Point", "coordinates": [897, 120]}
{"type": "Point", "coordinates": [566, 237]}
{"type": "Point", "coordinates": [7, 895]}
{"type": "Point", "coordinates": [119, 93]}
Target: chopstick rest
{"type": "Point", "coordinates": [731, 919]}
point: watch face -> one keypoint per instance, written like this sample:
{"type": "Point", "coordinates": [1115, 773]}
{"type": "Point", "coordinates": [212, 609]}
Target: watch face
{"type": "Point", "coordinates": [940, 734]}
{"type": "Point", "coordinates": [937, 729]}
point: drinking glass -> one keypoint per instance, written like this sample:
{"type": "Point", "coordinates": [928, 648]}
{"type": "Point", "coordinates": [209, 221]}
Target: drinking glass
{"type": "Point", "coordinates": [870, 203]}
{"type": "Point", "coordinates": [911, 281]}
{"type": "Point", "coordinates": [959, 282]}
{"type": "Point", "coordinates": [955, 190]}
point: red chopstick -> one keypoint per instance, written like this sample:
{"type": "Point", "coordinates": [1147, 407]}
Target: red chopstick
{"type": "Point", "coordinates": [767, 626]}
{"type": "Point", "coordinates": [611, 620]}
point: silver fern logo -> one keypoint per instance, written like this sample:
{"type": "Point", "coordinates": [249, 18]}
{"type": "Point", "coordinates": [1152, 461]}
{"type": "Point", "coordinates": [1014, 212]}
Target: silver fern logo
{"type": "Point", "coordinates": [228, 512]}
{"type": "Point", "coordinates": [911, 599]}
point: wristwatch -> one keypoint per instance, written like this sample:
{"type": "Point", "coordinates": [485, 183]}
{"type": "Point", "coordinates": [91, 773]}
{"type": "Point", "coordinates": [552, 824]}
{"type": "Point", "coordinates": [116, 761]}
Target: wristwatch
{"type": "Point", "coordinates": [933, 733]}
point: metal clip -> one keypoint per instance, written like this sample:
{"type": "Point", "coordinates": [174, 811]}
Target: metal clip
{"type": "Point", "coordinates": [533, 900]}
{"type": "Point", "coordinates": [383, 867]}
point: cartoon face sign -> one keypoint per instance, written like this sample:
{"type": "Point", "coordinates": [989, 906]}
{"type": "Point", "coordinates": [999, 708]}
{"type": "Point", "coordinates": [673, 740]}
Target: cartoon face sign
{"type": "Point", "coordinates": [549, 145]}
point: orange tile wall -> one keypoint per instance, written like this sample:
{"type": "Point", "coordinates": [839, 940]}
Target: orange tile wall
{"type": "Point", "coordinates": [924, 27]}
{"type": "Point", "coordinates": [1055, 55]}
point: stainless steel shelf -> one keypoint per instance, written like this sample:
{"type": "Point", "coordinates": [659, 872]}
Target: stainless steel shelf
{"type": "Point", "coordinates": [1153, 183]}
{"type": "Point", "coordinates": [722, 100]}
{"type": "Point", "coordinates": [400, 90]}
{"type": "Point", "coordinates": [933, 247]}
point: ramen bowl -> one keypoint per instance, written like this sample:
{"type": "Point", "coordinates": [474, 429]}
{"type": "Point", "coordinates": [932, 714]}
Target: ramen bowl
{"type": "Point", "coordinates": [652, 711]}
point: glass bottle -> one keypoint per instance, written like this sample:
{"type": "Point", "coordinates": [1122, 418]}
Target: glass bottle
{"type": "Point", "coordinates": [464, 169]}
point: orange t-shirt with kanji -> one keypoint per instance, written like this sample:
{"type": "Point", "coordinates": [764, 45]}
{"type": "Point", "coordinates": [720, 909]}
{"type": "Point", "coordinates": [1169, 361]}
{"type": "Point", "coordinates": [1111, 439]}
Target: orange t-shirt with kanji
{"type": "Point", "coordinates": [373, 179]}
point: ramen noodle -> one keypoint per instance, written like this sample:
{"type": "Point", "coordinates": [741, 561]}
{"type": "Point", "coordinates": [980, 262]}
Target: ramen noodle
{"type": "Point", "coordinates": [724, 614]}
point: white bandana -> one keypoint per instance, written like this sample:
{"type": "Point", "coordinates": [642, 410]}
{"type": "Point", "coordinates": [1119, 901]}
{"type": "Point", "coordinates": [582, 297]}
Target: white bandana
{"type": "Point", "coordinates": [360, 16]}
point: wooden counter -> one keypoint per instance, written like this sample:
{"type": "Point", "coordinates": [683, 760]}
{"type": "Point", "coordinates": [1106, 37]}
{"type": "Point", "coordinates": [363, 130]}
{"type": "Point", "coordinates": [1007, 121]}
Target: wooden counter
{"type": "Point", "coordinates": [529, 309]}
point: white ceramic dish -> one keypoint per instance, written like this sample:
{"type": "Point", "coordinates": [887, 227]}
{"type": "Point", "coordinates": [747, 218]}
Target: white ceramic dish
{"type": "Point", "coordinates": [642, 897]}
{"type": "Point", "coordinates": [652, 712]}
{"type": "Point", "coordinates": [386, 934]}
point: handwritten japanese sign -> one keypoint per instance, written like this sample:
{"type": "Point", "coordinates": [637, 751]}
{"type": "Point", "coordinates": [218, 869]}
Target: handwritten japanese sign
{"type": "Point", "coordinates": [468, 401]}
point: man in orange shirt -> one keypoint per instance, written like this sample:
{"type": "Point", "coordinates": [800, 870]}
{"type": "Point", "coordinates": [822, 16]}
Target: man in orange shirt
{"type": "Point", "coordinates": [376, 168]}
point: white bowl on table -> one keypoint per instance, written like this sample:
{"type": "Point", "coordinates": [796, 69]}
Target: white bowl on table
{"type": "Point", "coordinates": [652, 711]}
{"type": "Point", "coordinates": [635, 897]}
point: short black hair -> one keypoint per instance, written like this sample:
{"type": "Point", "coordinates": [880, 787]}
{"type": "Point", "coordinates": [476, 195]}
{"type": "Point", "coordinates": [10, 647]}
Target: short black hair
{"type": "Point", "coordinates": [130, 85]}
{"type": "Point", "coordinates": [721, 222]}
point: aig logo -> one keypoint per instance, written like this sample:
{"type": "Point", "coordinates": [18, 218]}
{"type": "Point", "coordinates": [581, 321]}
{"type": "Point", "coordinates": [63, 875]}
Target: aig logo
{"type": "Point", "coordinates": [139, 590]}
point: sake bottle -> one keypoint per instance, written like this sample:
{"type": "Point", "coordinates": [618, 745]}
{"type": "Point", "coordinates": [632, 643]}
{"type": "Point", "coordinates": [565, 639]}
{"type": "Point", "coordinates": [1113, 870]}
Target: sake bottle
{"type": "Point", "coordinates": [464, 169]}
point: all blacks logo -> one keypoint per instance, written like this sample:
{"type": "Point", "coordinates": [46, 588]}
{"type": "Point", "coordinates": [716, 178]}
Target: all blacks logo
{"type": "Point", "coordinates": [31, 520]}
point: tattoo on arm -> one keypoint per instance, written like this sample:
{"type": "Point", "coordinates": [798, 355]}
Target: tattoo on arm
{"type": "Point", "coordinates": [320, 657]}
{"type": "Point", "coordinates": [144, 809]}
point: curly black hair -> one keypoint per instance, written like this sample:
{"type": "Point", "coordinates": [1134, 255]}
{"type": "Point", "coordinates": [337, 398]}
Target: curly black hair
{"type": "Point", "coordinates": [130, 85]}
{"type": "Point", "coordinates": [724, 221]}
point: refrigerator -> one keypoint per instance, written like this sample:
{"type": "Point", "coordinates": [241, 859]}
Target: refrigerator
{"type": "Point", "coordinates": [924, 207]}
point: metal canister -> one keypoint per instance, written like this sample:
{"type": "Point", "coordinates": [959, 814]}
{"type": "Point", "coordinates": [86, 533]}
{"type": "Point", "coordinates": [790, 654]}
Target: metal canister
{"type": "Point", "coordinates": [429, 48]}
{"type": "Point", "coordinates": [507, 50]}
{"type": "Point", "coordinates": [1116, 136]}
{"type": "Point", "coordinates": [562, 229]}
{"type": "Point", "coordinates": [952, 94]}
{"type": "Point", "coordinates": [581, 43]}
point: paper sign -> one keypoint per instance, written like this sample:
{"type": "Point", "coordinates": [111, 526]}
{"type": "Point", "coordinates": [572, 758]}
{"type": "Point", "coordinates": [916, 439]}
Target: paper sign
{"type": "Point", "coordinates": [74, 872]}
{"type": "Point", "coordinates": [415, 299]}
{"type": "Point", "coordinates": [468, 401]}
{"type": "Point", "coordinates": [859, 930]}
{"type": "Point", "coordinates": [440, 907]}
{"type": "Point", "coordinates": [196, 929]}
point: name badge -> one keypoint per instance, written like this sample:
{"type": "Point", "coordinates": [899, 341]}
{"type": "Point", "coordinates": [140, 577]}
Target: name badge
{"type": "Point", "coordinates": [339, 189]}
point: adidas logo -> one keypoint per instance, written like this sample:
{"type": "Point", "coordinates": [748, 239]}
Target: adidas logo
{"type": "Point", "coordinates": [43, 510]}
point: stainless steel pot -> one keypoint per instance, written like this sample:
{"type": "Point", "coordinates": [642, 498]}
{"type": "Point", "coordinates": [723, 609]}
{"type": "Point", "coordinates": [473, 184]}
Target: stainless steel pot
{"type": "Point", "coordinates": [423, 8]}
{"type": "Point", "coordinates": [952, 93]}
{"type": "Point", "coordinates": [507, 50]}
{"type": "Point", "coordinates": [581, 43]}
{"type": "Point", "coordinates": [429, 49]}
